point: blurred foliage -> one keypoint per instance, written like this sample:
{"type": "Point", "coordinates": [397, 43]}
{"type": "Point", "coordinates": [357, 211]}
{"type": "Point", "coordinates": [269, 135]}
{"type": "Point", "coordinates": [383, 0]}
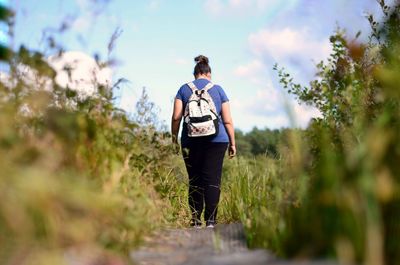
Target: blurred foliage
{"type": "Point", "coordinates": [261, 142]}
{"type": "Point", "coordinates": [254, 191]}
{"type": "Point", "coordinates": [79, 173]}
{"type": "Point", "coordinates": [76, 172]}
{"type": "Point", "coordinates": [257, 190]}
{"type": "Point", "coordinates": [350, 209]}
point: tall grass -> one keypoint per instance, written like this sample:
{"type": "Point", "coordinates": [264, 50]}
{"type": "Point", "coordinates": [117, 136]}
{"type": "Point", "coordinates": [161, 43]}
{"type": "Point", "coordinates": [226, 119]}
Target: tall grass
{"type": "Point", "coordinates": [256, 191]}
{"type": "Point", "coordinates": [350, 208]}
{"type": "Point", "coordinates": [251, 193]}
{"type": "Point", "coordinates": [76, 173]}
{"type": "Point", "coordinates": [335, 192]}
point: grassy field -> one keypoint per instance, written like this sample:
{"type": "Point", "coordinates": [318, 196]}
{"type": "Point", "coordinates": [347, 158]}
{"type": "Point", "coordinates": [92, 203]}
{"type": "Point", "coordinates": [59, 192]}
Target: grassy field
{"type": "Point", "coordinates": [78, 173]}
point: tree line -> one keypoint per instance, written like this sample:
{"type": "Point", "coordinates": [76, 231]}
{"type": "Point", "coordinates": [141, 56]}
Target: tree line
{"type": "Point", "coordinates": [267, 142]}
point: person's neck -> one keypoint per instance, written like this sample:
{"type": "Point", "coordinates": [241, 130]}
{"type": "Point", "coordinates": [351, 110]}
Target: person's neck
{"type": "Point", "coordinates": [203, 77]}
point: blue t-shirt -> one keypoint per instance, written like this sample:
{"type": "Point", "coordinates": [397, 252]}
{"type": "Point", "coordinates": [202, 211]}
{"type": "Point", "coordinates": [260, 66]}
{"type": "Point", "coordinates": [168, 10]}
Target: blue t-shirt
{"type": "Point", "coordinates": [218, 95]}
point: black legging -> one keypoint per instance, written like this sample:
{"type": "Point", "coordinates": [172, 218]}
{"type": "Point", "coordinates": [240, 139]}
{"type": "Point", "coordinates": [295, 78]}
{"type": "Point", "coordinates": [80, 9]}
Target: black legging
{"type": "Point", "coordinates": [203, 160]}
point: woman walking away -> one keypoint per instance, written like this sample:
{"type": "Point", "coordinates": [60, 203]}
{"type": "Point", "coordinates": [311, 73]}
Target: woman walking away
{"type": "Point", "coordinates": [206, 134]}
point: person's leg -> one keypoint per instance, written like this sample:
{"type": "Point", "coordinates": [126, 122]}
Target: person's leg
{"type": "Point", "coordinates": [211, 170]}
{"type": "Point", "coordinates": [192, 158]}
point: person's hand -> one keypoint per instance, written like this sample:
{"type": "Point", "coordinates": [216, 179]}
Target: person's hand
{"type": "Point", "coordinates": [232, 151]}
{"type": "Point", "coordinates": [175, 145]}
{"type": "Point", "coordinates": [176, 148]}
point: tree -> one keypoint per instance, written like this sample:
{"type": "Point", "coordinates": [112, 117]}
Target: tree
{"type": "Point", "coordinates": [350, 205]}
{"type": "Point", "coordinates": [6, 16]}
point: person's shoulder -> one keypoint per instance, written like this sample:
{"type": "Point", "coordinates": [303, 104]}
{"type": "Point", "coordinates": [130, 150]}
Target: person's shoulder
{"type": "Point", "coordinates": [183, 91]}
{"type": "Point", "coordinates": [221, 93]}
{"type": "Point", "coordinates": [218, 88]}
{"type": "Point", "coordinates": [184, 87]}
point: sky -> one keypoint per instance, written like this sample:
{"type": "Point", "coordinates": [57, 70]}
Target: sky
{"type": "Point", "coordinates": [242, 38]}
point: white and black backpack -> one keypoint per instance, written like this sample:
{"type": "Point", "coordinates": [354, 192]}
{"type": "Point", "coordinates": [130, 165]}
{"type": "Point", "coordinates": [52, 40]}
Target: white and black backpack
{"type": "Point", "coordinates": [200, 115]}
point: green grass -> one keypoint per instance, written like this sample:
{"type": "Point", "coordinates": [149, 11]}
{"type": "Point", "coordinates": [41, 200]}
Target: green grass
{"type": "Point", "coordinates": [80, 174]}
{"type": "Point", "coordinates": [253, 192]}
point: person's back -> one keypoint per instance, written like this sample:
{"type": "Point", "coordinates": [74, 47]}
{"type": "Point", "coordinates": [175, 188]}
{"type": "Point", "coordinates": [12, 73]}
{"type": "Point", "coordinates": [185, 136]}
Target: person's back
{"type": "Point", "coordinates": [204, 156]}
{"type": "Point", "coordinates": [218, 96]}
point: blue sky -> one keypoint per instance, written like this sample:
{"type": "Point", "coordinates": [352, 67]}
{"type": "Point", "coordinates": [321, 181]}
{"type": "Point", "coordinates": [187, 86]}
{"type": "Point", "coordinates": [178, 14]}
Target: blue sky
{"type": "Point", "coordinates": [242, 38]}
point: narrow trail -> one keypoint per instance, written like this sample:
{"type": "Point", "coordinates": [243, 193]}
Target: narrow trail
{"type": "Point", "coordinates": [223, 245]}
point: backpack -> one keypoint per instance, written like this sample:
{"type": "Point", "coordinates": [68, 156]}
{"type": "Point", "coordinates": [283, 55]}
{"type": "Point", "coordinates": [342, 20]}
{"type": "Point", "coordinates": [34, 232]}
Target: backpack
{"type": "Point", "coordinates": [200, 113]}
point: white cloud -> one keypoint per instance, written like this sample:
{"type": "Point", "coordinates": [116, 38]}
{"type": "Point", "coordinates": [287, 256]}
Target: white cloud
{"type": "Point", "coordinates": [302, 114]}
{"type": "Point", "coordinates": [29, 76]}
{"type": "Point", "coordinates": [85, 73]}
{"type": "Point", "coordinates": [289, 45]}
{"type": "Point", "coordinates": [255, 71]}
{"type": "Point", "coordinates": [294, 47]}
{"type": "Point", "coordinates": [246, 7]}
{"type": "Point", "coordinates": [293, 37]}
{"type": "Point", "coordinates": [270, 106]}
{"type": "Point", "coordinates": [265, 107]}
{"type": "Point", "coordinates": [277, 121]}
{"type": "Point", "coordinates": [266, 102]}
{"type": "Point", "coordinates": [84, 78]}
{"type": "Point", "coordinates": [263, 113]}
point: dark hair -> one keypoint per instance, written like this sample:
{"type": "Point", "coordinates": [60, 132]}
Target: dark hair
{"type": "Point", "coordinates": [202, 66]}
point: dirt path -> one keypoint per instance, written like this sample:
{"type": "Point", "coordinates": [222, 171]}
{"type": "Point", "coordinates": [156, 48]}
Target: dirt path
{"type": "Point", "coordinates": [223, 245]}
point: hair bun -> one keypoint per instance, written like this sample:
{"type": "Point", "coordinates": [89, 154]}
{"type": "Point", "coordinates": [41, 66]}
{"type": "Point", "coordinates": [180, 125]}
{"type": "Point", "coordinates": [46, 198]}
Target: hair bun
{"type": "Point", "coordinates": [201, 59]}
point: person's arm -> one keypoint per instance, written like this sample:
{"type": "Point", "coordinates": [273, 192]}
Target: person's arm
{"type": "Point", "coordinates": [176, 119]}
{"type": "Point", "coordinates": [228, 123]}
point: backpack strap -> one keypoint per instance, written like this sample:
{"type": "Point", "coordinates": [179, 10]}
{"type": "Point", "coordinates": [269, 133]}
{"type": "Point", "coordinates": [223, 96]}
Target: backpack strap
{"type": "Point", "coordinates": [208, 86]}
{"type": "Point", "coordinates": [192, 86]}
